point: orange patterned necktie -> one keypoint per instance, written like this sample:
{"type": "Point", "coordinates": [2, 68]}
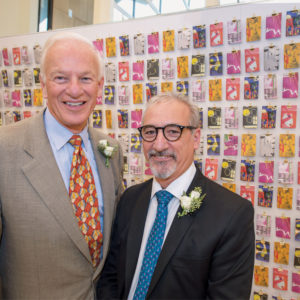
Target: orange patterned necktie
{"type": "Point", "coordinates": [84, 199]}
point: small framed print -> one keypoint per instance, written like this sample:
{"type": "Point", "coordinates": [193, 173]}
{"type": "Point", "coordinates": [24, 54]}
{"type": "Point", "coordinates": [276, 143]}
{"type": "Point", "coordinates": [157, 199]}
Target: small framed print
{"type": "Point", "coordinates": [285, 172]}
{"type": "Point", "coordinates": [266, 172]}
{"type": "Point", "coordinates": [123, 93]}
{"type": "Point", "coordinates": [273, 26]}
{"type": "Point", "coordinates": [109, 94]}
{"type": "Point", "coordinates": [231, 117]}
{"type": "Point", "coordinates": [153, 42]}
{"type": "Point", "coordinates": [198, 91]}
{"type": "Point", "coordinates": [124, 45]}
{"type": "Point", "coordinates": [250, 116]}
{"type": "Point", "coordinates": [234, 31]}
{"type": "Point", "coordinates": [168, 69]}
{"type": "Point", "coordinates": [290, 85]}
{"type": "Point", "coordinates": [198, 65]}
{"type": "Point", "coordinates": [234, 62]}
{"type": "Point", "coordinates": [182, 87]}
{"type": "Point", "coordinates": [284, 197]}
{"type": "Point", "coordinates": [215, 89]}
{"type": "Point", "coordinates": [251, 88]}
{"type": "Point", "coordinates": [98, 43]}
{"type": "Point", "coordinates": [228, 169]}
{"type": "Point", "coordinates": [108, 119]}
{"type": "Point", "coordinates": [292, 55]}
{"type": "Point", "coordinates": [292, 22]}
{"type": "Point", "coordinates": [199, 36]}
{"type": "Point", "coordinates": [270, 86]}
{"type": "Point", "coordinates": [280, 279]}
{"type": "Point", "coordinates": [110, 43]}
{"type": "Point", "coordinates": [168, 40]}
{"type": "Point", "coordinates": [261, 276]}
{"type": "Point", "coordinates": [216, 63]}
{"type": "Point", "coordinates": [283, 227]}
{"type": "Point", "coordinates": [248, 144]}
{"type": "Point", "coordinates": [267, 145]}
{"type": "Point", "coordinates": [268, 117]}
{"type": "Point", "coordinates": [97, 118]}
{"type": "Point", "coordinates": [265, 196]}
{"type": "Point", "coordinates": [247, 170]}
{"type": "Point", "coordinates": [214, 118]}
{"type": "Point", "coordinates": [151, 90]}
{"type": "Point", "coordinates": [263, 225]}
{"type": "Point", "coordinates": [253, 29]}
{"type": "Point", "coordinates": [153, 69]}
{"type": "Point", "coordinates": [124, 71]}
{"type": "Point", "coordinates": [281, 253]}
{"type": "Point", "coordinates": [288, 116]}
{"type": "Point", "coordinates": [230, 144]}
{"type": "Point", "coordinates": [213, 144]}
{"type": "Point", "coordinates": [216, 34]}
{"type": "Point", "coordinates": [138, 70]}
{"type": "Point", "coordinates": [287, 145]}
{"type": "Point", "coordinates": [252, 60]}
{"type": "Point", "coordinates": [123, 118]}
{"type": "Point", "coordinates": [110, 72]}
{"type": "Point", "coordinates": [262, 250]}
{"type": "Point", "coordinates": [184, 38]}
{"type": "Point", "coordinates": [211, 168]}
{"type": "Point", "coordinates": [182, 67]}
{"type": "Point", "coordinates": [139, 44]}
{"type": "Point", "coordinates": [271, 58]}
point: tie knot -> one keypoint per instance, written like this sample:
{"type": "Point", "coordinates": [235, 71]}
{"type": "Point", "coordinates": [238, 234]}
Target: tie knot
{"type": "Point", "coordinates": [75, 140]}
{"type": "Point", "coordinates": [163, 197]}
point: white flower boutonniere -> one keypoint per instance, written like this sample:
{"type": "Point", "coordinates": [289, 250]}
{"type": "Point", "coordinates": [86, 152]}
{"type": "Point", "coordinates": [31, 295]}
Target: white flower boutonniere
{"type": "Point", "coordinates": [191, 202]}
{"type": "Point", "coordinates": [107, 150]}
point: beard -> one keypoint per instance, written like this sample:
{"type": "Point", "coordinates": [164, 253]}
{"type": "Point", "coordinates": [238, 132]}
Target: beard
{"type": "Point", "coordinates": [162, 169]}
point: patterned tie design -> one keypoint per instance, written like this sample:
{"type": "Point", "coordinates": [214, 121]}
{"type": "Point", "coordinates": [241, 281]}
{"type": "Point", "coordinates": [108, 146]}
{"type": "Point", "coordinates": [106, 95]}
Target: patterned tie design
{"type": "Point", "coordinates": [154, 245]}
{"type": "Point", "coordinates": [84, 199]}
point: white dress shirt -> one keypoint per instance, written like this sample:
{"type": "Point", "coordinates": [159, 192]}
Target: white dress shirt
{"type": "Point", "coordinates": [176, 188]}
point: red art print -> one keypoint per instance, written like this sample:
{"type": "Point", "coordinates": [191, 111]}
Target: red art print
{"type": "Point", "coordinates": [216, 34]}
{"type": "Point", "coordinates": [299, 174]}
{"type": "Point", "coordinates": [123, 71]}
{"type": "Point", "coordinates": [248, 192]}
{"type": "Point", "coordinates": [288, 116]}
{"type": "Point", "coordinates": [283, 227]}
{"type": "Point", "coordinates": [290, 85]}
{"type": "Point", "coordinates": [280, 279]}
{"type": "Point", "coordinates": [27, 114]}
{"type": "Point", "coordinates": [234, 62]}
{"type": "Point", "coordinates": [16, 56]}
{"type": "Point", "coordinates": [153, 42]}
{"type": "Point", "coordinates": [6, 58]}
{"type": "Point", "coordinates": [273, 26]}
{"type": "Point", "coordinates": [138, 70]}
{"type": "Point", "coordinates": [98, 43]}
{"type": "Point", "coordinates": [233, 87]}
{"type": "Point", "coordinates": [252, 60]}
{"type": "Point", "coordinates": [211, 168]}
{"type": "Point", "coordinates": [124, 45]}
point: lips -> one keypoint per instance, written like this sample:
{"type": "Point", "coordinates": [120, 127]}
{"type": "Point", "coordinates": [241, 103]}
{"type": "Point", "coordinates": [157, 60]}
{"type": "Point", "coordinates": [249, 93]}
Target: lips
{"type": "Point", "coordinates": [74, 104]}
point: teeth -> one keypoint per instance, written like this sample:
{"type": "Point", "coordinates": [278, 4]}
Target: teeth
{"type": "Point", "coordinates": [74, 104]}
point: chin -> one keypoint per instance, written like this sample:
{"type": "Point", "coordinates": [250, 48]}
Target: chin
{"type": "Point", "coordinates": [162, 172]}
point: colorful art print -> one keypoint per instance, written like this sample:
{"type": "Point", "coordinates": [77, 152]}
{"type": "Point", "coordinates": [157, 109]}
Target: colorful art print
{"type": "Point", "coordinates": [247, 170]}
{"type": "Point", "coordinates": [135, 163]}
{"type": "Point", "coordinates": [124, 45]}
{"type": "Point", "coordinates": [288, 116]}
{"type": "Point", "coordinates": [27, 97]}
{"type": "Point", "coordinates": [228, 169]}
{"type": "Point", "coordinates": [198, 65]}
{"type": "Point", "coordinates": [166, 86]}
{"type": "Point", "coordinates": [263, 225]}
{"type": "Point", "coordinates": [270, 86]}
{"type": "Point", "coordinates": [139, 44]}
{"type": "Point", "coordinates": [297, 229]}
{"type": "Point", "coordinates": [234, 32]}
{"type": "Point", "coordinates": [253, 29]}
{"type": "Point", "coordinates": [36, 75]}
{"type": "Point", "coordinates": [123, 139]}
{"type": "Point", "coordinates": [283, 227]}
{"type": "Point", "coordinates": [99, 99]}
{"type": "Point", "coordinates": [248, 145]}
{"type": "Point", "coordinates": [18, 78]}
{"type": "Point", "coordinates": [97, 118]}
{"type": "Point", "coordinates": [232, 89]}
{"type": "Point", "coordinates": [123, 118]}
{"type": "Point", "coordinates": [215, 89]}
{"type": "Point", "coordinates": [298, 190]}
{"type": "Point", "coordinates": [136, 118]}
{"type": "Point", "coordinates": [153, 42]}
{"type": "Point", "coordinates": [271, 58]}
{"type": "Point", "coordinates": [216, 63]}
{"type": "Point", "coordinates": [98, 43]}
{"type": "Point", "coordinates": [110, 72]}
{"type": "Point", "coordinates": [199, 150]}
{"type": "Point", "coordinates": [137, 91]}
{"type": "Point", "coordinates": [287, 145]}
{"type": "Point", "coordinates": [37, 97]}
{"type": "Point", "coordinates": [285, 172]}
{"type": "Point", "coordinates": [249, 116]}
{"type": "Point", "coordinates": [27, 76]}
{"type": "Point", "coordinates": [151, 90]}
{"type": "Point", "coordinates": [182, 87]}
{"type": "Point", "coordinates": [6, 98]}
{"type": "Point", "coordinates": [135, 143]}
{"type": "Point", "coordinates": [214, 118]}
{"type": "Point", "coordinates": [37, 52]}
{"type": "Point", "coordinates": [123, 93]}
{"type": "Point", "coordinates": [16, 98]}
{"type": "Point", "coordinates": [168, 40]}
{"type": "Point", "coordinates": [211, 168]}
{"type": "Point", "coordinates": [261, 275]}
{"type": "Point", "coordinates": [273, 26]}
{"type": "Point", "coordinates": [213, 144]}
{"type": "Point", "coordinates": [184, 39]}
{"type": "Point", "coordinates": [268, 117]}
{"type": "Point", "coordinates": [199, 36]}
{"type": "Point", "coordinates": [231, 117]}
{"type": "Point", "coordinates": [281, 253]}
{"type": "Point", "coordinates": [198, 163]}
{"type": "Point", "coordinates": [262, 250]}
{"type": "Point", "coordinates": [16, 55]}
{"type": "Point", "coordinates": [229, 186]}
{"type": "Point", "coordinates": [108, 119]}
{"type": "Point", "coordinates": [216, 34]}
{"type": "Point", "coordinates": [125, 164]}
{"type": "Point", "coordinates": [138, 70]}
{"type": "Point", "coordinates": [16, 116]}
{"type": "Point", "coordinates": [290, 85]}
{"type": "Point", "coordinates": [109, 94]}
{"type": "Point", "coordinates": [198, 91]}
{"type": "Point", "coordinates": [252, 60]}
{"type": "Point", "coordinates": [168, 69]}
{"type": "Point", "coordinates": [260, 295]}
{"type": "Point", "coordinates": [251, 88]}
{"type": "Point", "coordinates": [280, 279]}
{"type": "Point", "coordinates": [123, 71]}
{"type": "Point", "coordinates": [110, 43]}
{"type": "Point", "coordinates": [182, 66]}
{"type": "Point", "coordinates": [5, 78]}
{"type": "Point", "coordinates": [248, 192]}
{"type": "Point", "coordinates": [27, 114]}
{"type": "Point", "coordinates": [8, 117]}
{"type": "Point", "coordinates": [297, 258]}
{"type": "Point", "coordinates": [266, 172]}
{"type": "Point", "coordinates": [6, 57]}
{"type": "Point", "coordinates": [265, 196]}
{"type": "Point", "coordinates": [295, 282]}
{"type": "Point", "coordinates": [292, 55]}
{"type": "Point", "coordinates": [153, 69]}
{"type": "Point", "coordinates": [201, 118]}
{"type": "Point", "coordinates": [234, 62]}
{"type": "Point", "coordinates": [293, 22]}
{"type": "Point", "coordinates": [25, 58]}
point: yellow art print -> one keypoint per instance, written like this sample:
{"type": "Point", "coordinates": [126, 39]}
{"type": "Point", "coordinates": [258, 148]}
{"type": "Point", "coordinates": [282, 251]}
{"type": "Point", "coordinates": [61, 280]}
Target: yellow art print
{"type": "Point", "coordinates": [108, 119]}
{"type": "Point", "coordinates": [168, 40]}
{"type": "Point", "coordinates": [248, 144]}
{"type": "Point", "coordinates": [253, 29]}
{"type": "Point", "coordinates": [37, 97]}
{"type": "Point", "coordinates": [261, 275]}
{"type": "Point", "coordinates": [110, 46]}
{"type": "Point", "coordinates": [166, 87]}
{"type": "Point", "coordinates": [182, 66]}
{"type": "Point", "coordinates": [287, 145]}
{"type": "Point", "coordinates": [137, 90]}
{"type": "Point", "coordinates": [284, 197]}
{"type": "Point", "coordinates": [215, 89]}
{"type": "Point", "coordinates": [292, 56]}
{"type": "Point", "coordinates": [229, 186]}
{"type": "Point", "coordinates": [281, 253]}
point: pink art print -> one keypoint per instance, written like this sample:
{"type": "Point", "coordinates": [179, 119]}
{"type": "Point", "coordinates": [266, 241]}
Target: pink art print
{"type": "Point", "coordinates": [5, 56]}
{"type": "Point", "coordinates": [216, 34]}
{"type": "Point", "coordinates": [234, 62]}
{"type": "Point", "coordinates": [138, 70]}
{"type": "Point", "coordinates": [266, 171]}
{"type": "Point", "coordinates": [273, 26]}
{"type": "Point", "coordinates": [123, 71]}
{"type": "Point", "coordinates": [231, 145]}
{"type": "Point", "coordinates": [296, 282]}
{"type": "Point", "coordinates": [16, 98]}
{"type": "Point", "coordinates": [98, 43]}
{"type": "Point", "coordinates": [198, 90]}
{"type": "Point", "coordinates": [290, 85]}
{"type": "Point", "coordinates": [211, 168]}
{"type": "Point", "coordinates": [153, 43]}
{"type": "Point", "coordinates": [232, 89]}
{"type": "Point", "coordinates": [136, 118]}
{"type": "Point", "coordinates": [252, 60]}
{"type": "Point", "coordinates": [283, 227]}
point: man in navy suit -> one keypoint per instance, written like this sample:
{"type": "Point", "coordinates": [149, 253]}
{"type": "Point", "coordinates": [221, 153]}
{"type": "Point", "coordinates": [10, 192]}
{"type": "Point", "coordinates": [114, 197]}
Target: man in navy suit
{"type": "Point", "coordinates": [207, 249]}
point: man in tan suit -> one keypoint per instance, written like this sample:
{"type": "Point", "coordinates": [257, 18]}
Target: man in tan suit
{"type": "Point", "coordinates": [43, 252]}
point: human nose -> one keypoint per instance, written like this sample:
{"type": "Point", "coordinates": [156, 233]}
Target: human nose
{"type": "Point", "coordinates": [74, 87]}
{"type": "Point", "coordinates": [160, 142]}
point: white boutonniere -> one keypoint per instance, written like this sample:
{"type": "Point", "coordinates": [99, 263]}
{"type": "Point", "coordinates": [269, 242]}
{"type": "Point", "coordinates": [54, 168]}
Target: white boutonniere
{"type": "Point", "coordinates": [107, 150]}
{"type": "Point", "coordinates": [191, 202]}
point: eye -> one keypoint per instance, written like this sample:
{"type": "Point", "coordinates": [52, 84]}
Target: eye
{"type": "Point", "coordinates": [60, 79]}
{"type": "Point", "coordinates": [149, 131]}
{"type": "Point", "coordinates": [86, 79]}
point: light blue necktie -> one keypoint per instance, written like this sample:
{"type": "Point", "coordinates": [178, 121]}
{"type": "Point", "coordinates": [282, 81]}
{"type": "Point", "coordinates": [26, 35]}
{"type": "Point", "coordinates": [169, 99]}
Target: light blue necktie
{"type": "Point", "coordinates": [154, 245]}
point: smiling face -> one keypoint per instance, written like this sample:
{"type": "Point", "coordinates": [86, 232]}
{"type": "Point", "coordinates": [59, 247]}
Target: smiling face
{"type": "Point", "coordinates": [168, 160]}
{"type": "Point", "coordinates": [71, 83]}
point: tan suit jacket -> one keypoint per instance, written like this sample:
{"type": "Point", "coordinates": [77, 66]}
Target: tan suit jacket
{"type": "Point", "coordinates": [43, 254]}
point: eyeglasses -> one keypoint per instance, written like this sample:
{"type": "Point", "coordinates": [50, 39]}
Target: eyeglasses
{"type": "Point", "coordinates": [172, 132]}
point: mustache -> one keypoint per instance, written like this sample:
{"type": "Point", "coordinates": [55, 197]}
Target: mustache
{"type": "Point", "coordinates": [154, 153]}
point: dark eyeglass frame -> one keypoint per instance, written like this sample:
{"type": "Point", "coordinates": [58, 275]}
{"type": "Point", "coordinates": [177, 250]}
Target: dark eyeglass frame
{"type": "Point", "coordinates": [181, 127]}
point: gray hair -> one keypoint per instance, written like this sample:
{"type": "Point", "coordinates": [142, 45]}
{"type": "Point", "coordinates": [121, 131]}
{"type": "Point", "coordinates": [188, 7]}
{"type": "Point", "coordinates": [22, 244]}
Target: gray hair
{"type": "Point", "coordinates": [71, 36]}
{"type": "Point", "coordinates": [176, 97]}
